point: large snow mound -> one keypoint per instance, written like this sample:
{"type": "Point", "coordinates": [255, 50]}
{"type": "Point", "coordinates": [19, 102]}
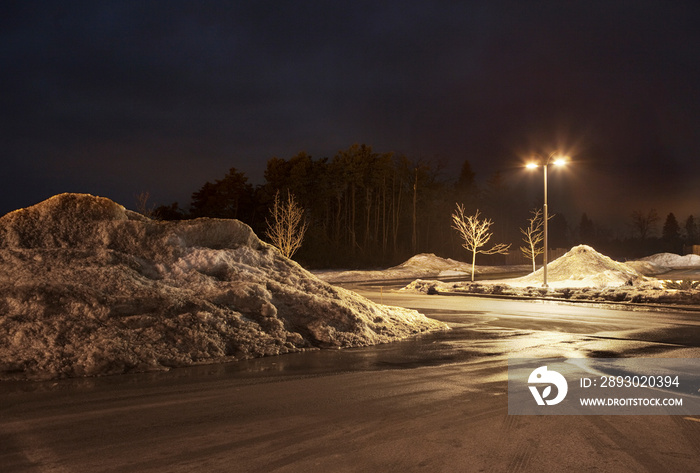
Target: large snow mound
{"type": "Point", "coordinates": [580, 274]}
{"type": "Point", "coordinates": [90, 288]}
{"type": "Point", "coordinates": [672, 260]}
{"type": "Point", "coordinates": [582, 266]}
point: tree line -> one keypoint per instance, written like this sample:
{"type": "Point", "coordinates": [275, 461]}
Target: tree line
{"type": "Point", "coordinates": [362, 207]}
{"type": "Point", "coordinates": [365, 208]}
{"type": "Point", "coordinates": [646, 235]}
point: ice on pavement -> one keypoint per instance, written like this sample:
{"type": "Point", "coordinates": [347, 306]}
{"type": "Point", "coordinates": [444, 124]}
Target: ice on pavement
{"type": "Point", "coordinates": [90, 288]}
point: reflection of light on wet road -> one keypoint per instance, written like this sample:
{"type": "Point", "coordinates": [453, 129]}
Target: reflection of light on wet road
{"type": "Point", "coordinates": [436, 400]}
{"type": "Point", "coordinates": [591, 327]}
{"type": "Point", "coordinates": [483, 330]}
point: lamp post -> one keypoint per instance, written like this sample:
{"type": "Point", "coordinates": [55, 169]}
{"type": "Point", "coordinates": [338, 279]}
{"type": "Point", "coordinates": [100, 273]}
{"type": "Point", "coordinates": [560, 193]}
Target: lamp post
{"type": "Point", "coordinates": [559, 160]}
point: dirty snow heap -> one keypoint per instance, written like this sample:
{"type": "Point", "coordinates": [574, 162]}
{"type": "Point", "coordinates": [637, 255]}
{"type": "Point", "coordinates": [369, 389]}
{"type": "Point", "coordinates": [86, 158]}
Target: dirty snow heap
{"type": "Point", "coordinates": [423, 265]}
{"type": "Point", "coordinates": [672, 260]}
{"type": "Point", "coordinates": [582, 266]}
{"type": "Point", "coordinates": [89, 288]}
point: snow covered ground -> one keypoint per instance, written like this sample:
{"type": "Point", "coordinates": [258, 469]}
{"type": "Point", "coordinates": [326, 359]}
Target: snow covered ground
{"type": "Point", "coordinates": [424, 265]}
{"type": "Point", "coordinates": [582, 274]}
{"type": "Point", "coordinates": [89, 288]}
{"type": "Point", "coordinates": [671, 260]}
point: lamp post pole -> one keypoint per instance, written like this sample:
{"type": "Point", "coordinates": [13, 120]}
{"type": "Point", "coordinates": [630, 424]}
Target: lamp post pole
{"type": "Point", "coordinates": [546, 235]}
{"type": "Point", "coordinates": [559, 161]}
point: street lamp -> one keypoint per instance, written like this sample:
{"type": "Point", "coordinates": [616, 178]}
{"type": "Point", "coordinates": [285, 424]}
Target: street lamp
{"type": "Point", "coordinates": [559, 160]}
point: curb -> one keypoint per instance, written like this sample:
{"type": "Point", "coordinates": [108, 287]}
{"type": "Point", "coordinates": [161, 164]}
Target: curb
{"type": "Point", "coordinates": [621, 304]}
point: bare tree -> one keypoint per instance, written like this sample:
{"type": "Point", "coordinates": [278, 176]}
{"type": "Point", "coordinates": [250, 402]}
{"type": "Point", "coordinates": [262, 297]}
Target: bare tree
{"type": "Point", "coordinates": [645, 224]}
{"type": "Point", "coordinates": [475, 233]}
{"type": "Point", "coordinates": [142, 205]}
{"type": "Point", "coordinates": [533, 236]}
{"type": "Point", "coordinates": [286, 227]}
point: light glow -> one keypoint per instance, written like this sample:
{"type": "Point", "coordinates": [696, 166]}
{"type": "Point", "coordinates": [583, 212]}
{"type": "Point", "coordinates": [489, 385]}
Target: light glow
{"type": "Point", "coordinates": [531, 165]}
{"type": "Point", "coordinates": [560, 161]}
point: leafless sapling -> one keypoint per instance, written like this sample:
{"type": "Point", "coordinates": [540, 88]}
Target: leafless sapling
{"type": "Point", "coordinates": [475, 233]}
{"type": "Point", "coordinates": [286, 226]}
{"type": "Point", "coordinates": [533, 236]}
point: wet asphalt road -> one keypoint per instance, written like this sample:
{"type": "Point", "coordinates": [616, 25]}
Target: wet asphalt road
{"type": "Point", "coordinates": [434, 403]}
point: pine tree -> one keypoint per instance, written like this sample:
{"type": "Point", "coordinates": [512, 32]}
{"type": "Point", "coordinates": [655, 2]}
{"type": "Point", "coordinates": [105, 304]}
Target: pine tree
{"type": "Point", "coordinates": [691, 231]}
{"type": "Point", "coordinates": [671, 234]}
{"type": "Point", "coordinates": [586, 229]}
{"type": "Point", "coordinates": [671, 230]}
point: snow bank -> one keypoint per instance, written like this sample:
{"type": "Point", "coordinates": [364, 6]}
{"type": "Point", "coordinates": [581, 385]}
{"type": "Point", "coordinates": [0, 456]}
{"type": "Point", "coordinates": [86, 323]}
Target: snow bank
{"type": "Point", "coordinates": [582, 266]}
{"type": "Point", "coordinates": [424, 265]}
{"type": "Point", "coordinates": [671, 260]}
{"type": "Point", "coordinates": [430, 262]}
{"type": "Point", "coordinates": [647, 268]}
{"type": "Point", "coordinates": [582, 274]}
{"type": "Point", "coordinates": [649, 292]}
{"type": "Point", "coordinates": [90, 288]}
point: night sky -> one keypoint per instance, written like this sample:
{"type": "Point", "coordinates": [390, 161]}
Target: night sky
{"type": "Point", "coordinates": [114, 98]}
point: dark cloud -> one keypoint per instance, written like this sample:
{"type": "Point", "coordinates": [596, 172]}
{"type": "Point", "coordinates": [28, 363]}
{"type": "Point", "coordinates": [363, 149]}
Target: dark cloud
{"type": "Point", "coordinates": [116, 97]}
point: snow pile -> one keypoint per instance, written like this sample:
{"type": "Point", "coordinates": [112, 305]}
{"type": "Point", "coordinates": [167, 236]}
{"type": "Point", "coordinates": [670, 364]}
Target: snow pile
{"type": "Point", "coordinates": [582, 266]}
{"type": "Point", "coordinates": [684, 293]}
{"type": "Point", "coordinates": [582, 274]}
{"type": "Point", "coordinates": [424, 265]}
{"type": "Point", "coordinates": [430, 262]}
{"type": "Point", "coordinates": [671, 260]}
{"type": "Point", "coordinates": [646, 268]}
{"type": "Point", "coordinates": [89, 288]}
